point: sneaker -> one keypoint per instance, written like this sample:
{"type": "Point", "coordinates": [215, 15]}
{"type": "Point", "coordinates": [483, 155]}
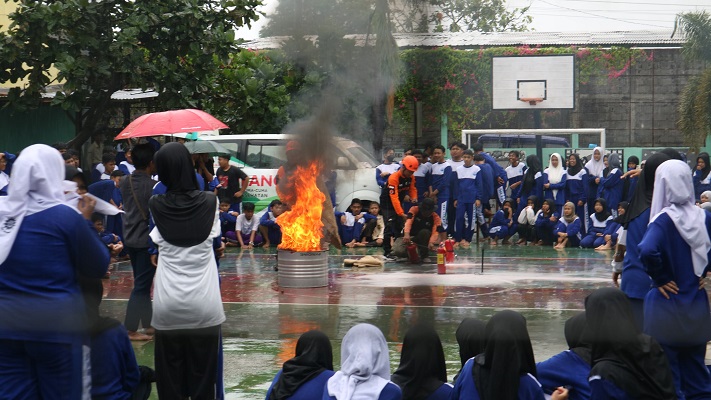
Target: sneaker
{"type": "Point", "coordinates": [389, 258]}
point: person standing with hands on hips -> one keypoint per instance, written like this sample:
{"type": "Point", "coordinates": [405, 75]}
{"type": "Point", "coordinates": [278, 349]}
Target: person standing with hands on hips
{"type": "Point", "coordinates": [233, 183]}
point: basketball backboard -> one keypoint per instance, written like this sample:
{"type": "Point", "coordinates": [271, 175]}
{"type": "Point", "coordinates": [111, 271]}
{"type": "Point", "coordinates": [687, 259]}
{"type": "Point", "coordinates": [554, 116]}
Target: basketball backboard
{"type": "Point", "coordinates": [533, 82]}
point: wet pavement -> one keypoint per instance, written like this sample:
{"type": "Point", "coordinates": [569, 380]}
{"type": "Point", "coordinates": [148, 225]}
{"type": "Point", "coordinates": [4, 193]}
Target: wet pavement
{"type": "Point", "coordinates": [264, 321]}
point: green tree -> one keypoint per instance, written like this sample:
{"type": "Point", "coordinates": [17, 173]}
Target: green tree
{"type": "Point", "coordinates": [695, 102]}
{"type": "Point", "coordinates": [478, 15]}
{"type": "Point", "coordinates": [99, 47]}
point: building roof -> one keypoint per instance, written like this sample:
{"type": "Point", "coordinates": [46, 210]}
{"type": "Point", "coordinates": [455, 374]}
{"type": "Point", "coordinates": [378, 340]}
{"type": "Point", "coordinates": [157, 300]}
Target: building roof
{"type": "Point", "coordinates": [466, 40]}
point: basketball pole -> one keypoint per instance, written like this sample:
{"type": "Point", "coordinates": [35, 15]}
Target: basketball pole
{"type": "Point", "coordinates": [539, 140]}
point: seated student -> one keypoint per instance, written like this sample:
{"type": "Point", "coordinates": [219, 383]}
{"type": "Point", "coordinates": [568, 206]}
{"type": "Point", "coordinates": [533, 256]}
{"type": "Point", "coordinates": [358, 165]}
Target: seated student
{"type": "Point", "coordinates": [503, 225]}
{"type": "Point", "coordinates": [599, 220]}
{"type": "Point", "coordinates": [611, 232]}
{"type": "Point", "coordinates": [705, 200]}
{"type": "Point", "coordinates": [568, 228]}
{"type": "Point", "coordinates": [374, 230]}
{"type": "Point", "coordinates": [106, 237]}
{"type": "Point", "coordinates": [365, 368]}
{"type": "Point", "coordinates": [6, 161]}
{"type": "Point", "coordinates": [351, 223]}
{"type": "Point", "coordinates": [570, 368]}
{"type": "Point", "coordinates": [546, 222]}
{"type": "Point", "coordinates": [506, 370]}
{"type": "Point", "coordinates": [422, 373]}
{"type": "Point", "coordinates": [268, 227]}
{"type": "Point", "coordinates": [626, 364]}
{"type": "Point", "coordinates": [527, 222]}
{"type": "Point", "coordinates": [228, 221]}
{"type": "Point", "coordinates": [423, 227]}
{"type": "Point", "coordinates": [304, 376]}
{"type": "Point", "coordinates": [470, 337]}
{"type": "Point", "coordinates": [246, 228]}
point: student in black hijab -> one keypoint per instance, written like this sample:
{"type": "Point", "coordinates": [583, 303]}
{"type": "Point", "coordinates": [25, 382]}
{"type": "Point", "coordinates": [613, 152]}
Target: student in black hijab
{"type": "Point", "coordinates": [187, 307]}
{"type": "Point", "coordinates": [422, 373]}
{"type": "Point", "coordinates": [507, 369]}
{"type": "Point", "coordinates": [701, 175]}
{"type": "Point", "coordinates": [304, 376]}
{"type": "Point", "coordinates": [532, 182]}
{"type": "Point", "coordinates": [625, 363]}
{"type": "Point", "coordinates": [470, 337]}
{"type": "Point", "coordinates": [570, 368]}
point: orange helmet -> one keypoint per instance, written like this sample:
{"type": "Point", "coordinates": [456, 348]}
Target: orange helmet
{"type": "Point", "coordinates": [293, 145]}
{"type": "Point", "coordinates": [411, 163]}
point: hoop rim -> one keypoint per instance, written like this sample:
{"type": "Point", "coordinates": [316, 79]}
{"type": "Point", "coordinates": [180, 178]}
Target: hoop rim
{"type": "Point", "coordinates": [531, 100]}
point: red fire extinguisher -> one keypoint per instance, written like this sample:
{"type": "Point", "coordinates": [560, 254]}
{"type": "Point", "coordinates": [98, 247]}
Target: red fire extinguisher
{"type": "Point", "coordinates": [449, 247]}
{"type": "Point", "coordinates": [412, 253]}
{"type": "Point", "coordinates": [441, 254]}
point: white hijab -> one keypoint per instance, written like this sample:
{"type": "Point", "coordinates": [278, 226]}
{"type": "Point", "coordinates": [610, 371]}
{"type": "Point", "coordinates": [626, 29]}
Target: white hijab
{"type": "Point", "coordinates": [595, 167]}
{"type": "Point", "coordinates": [555, 174]}
{"type": "Point", "coordinates": [365, 365]}
{"type": "Point", "coordinates": [37, 177]}
{"type": "Point", "coordinates": [674, 195]}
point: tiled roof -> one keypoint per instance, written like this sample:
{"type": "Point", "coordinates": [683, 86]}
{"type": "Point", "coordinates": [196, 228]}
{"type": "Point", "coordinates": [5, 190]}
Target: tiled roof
{"type": "Point", "coordinates": [477, 39]}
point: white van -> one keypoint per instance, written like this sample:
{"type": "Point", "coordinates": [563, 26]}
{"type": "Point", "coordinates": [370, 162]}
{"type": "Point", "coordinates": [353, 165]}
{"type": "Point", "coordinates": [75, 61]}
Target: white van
{"type": "Point", "coordinates": [260, 156]}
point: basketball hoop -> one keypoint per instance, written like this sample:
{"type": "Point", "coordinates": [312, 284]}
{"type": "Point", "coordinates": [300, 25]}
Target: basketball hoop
{"type": "Point", "coordinates": [531, 100]}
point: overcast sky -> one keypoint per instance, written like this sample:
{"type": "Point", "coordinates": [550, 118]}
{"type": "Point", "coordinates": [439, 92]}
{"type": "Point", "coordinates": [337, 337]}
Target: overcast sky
{"type": "Point", "coordinates": [577, 15]}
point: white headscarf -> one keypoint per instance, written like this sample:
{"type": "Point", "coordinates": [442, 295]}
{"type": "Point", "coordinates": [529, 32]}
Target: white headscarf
{"type": "Point", "coordinates": [595, 167]}
{"type": "Point", "coordinates": [555, 174]}
{"type": "Point", "coordinates": [674, 195]}
{"type": "Point", "coordinates": [37, 177]}
{"type": "Point", "coordinates": [365, 365]}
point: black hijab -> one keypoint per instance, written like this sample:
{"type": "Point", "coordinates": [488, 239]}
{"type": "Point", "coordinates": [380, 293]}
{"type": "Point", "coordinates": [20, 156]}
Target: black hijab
{"type": "Point", "coordinates": [707, 167]}
{"type": "Point", "coordinates": [470, 336]}
{"type": "Point", "coordinates": [184, 215]}
{"type": "Point", "coordinates": [605, 213]}
{"type": "Point", "coordinates": [534, 166]}
{"type": "Point", "coordinates": [576, 335]}
{"type": "Point", "coordinates": [642, 197]}
{"type": "Point", "coordinates": [507, 356]}
{"type": "Point", "coordinates": [534, 199]}
{"type": "Point", "coordinates": [621, 217]}
{"type": "Point", "coordinates": [633, 361]}
{"type": "Point", "coordinates": [551, 207]}
{"type": "Point", "coordinates": [632, 159]}
{"type": "Point", "coordinates": [575, 169]}
{"type": "Point", "coordinates": [422, 367]}
{"type": "Point", "coordinates": [314, 355]}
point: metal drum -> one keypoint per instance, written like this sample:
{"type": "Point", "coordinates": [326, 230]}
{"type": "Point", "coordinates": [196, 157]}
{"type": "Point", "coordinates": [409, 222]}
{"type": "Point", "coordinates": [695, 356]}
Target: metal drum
{"type": "Point", "coordinates": [302, 269]}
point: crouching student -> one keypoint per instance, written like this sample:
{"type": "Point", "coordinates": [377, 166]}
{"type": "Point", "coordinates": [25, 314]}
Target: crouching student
{"type": "Point", "coordinates": [106, 237]}
{"type": "Point", "coordinates": [268, 227]}
{"type": "Point", "coordinates": [546, 222]}
{"type": "Point", "coordinates": [568, 229]}
{"type": "Point", "coordinates": [598, 223]}
{"type": "Point", "coordinates": [611, 232]}
{"type": "Point", "coordinates": [373, 232]}
{"type": "Point", "coordinates": [503, 225]}
{"type": "Point", "coordinates": [228, 221]}
{"type": "Point", "coordinates": [422, 227]}
{"type": "Point", "coordinates": [351, 223]}
{"type": "Point", "coordinates": [527, 222]}
{"type": "Point", "coordinates": [246, 228]}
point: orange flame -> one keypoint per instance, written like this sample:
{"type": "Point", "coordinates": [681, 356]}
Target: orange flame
{"type": "Point", "coordinates": [301, 226]}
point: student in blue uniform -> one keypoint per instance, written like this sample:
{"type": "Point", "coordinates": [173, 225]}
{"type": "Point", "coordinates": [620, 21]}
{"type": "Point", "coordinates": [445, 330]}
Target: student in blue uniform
{"type": "Point", "coordinates": [570, 368]}
{"type": "Point", "coordinates": [422, 373]}
{"type": "Point", "coordinates": [6, 161]}
{"type": "Point", "coordinates": [304, 376]}
{"type": "Point", "coordinates": [503, 225]}
{"type": "Point", "coordinates": [598, 223]}
{"type": "Point", "coordinates": [576, 188]}
{"type": "Point", "coordinates": [568, 228]}
{"type": "Point", "coordinates": [351, 223]}
{"type": "Point", "coordinates": [532, 184]}
{"type": "Point", "coordinates": [470, 337]}
{"type": "Point", "coordinates": [387, 168]}
{"type": "Point", "coordinates": [365, 368]}
{"type": "Point", "coordinates": [467, 198]}
{"type": "Point", "coordinates": [527, 222]}
{"type": "Point", "coordinates": [488, 190]}
{"type": "Point", "coordinates": [422, 175]}
{"type": "Point", "coordinates": [594, 168]}
{"type": "Point", "coordinates": [440, 176]}
{"type": "Point", "coordinates": [554, 178]}
{"type": "Point", "coordinates": [611, 232]}
{"type": "Point", "coordinates": [675, 250]}
{"type": "Point", "coordinates": [702, 175]}
{"type": "Point", "coordinates": [271, 231]}
{"type": "Point", "coordinates": [610, 187]}
{"type": "Point", "coordinates": [630, 182]}
{"type": "Point", "coordinates": [626, 364]}
{"type": "Point", "coordinates": [514, 175]}
{"type": "Point", "coordinates": [546, 223]}
{"type": "Point", "coordinates": [507, 369]}
{"type": "Point", "coordinates": [499, 174]}
{"type": "Point", "coordinates": [43, 323]}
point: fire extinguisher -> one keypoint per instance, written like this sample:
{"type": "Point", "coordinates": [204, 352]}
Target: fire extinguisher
{"type": "Point", "coordinates": [412, 253]}
{"type": "Point", "coordinates": [449, 247]}
{"type": "Point", "coordinates": [441, 254]}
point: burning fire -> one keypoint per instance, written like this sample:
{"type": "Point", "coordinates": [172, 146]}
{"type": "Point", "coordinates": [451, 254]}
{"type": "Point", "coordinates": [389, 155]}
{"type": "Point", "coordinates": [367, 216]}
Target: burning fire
{"type": "Point", "coordinates": [301, 226]}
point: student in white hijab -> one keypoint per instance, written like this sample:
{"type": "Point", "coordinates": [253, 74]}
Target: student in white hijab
{"type": "Point", "coordinates": [365, 368]}
{"type": "Point", "coordinates": [554, 178]}
{"type": "Point", "coordinates": [42, 313]}
{"type": "Point", "coordinates": [675, 251]}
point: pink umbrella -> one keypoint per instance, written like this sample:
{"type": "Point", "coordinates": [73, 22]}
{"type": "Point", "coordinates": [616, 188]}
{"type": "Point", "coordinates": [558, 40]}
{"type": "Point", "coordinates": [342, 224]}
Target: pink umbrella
{"type": "Point", "coordinates": [168, 122]}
